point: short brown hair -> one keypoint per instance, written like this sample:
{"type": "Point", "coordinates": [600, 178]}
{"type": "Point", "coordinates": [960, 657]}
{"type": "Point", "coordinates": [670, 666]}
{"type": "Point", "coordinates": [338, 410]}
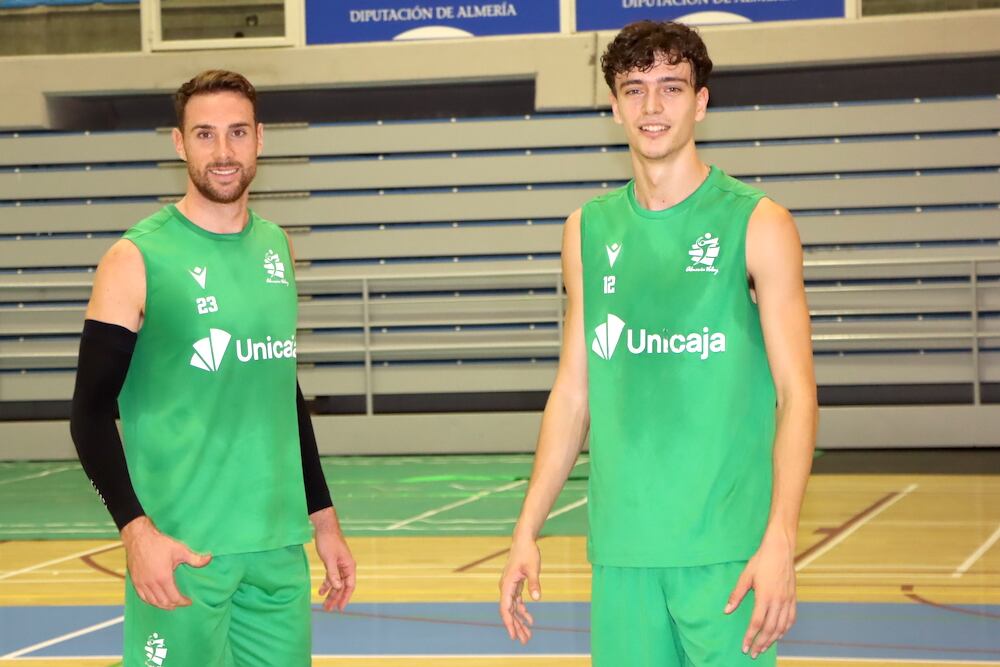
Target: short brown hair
{"type": "Point", "coordinates": [213, 81]}
{"type": "Point", "coordinates": [641, 44]}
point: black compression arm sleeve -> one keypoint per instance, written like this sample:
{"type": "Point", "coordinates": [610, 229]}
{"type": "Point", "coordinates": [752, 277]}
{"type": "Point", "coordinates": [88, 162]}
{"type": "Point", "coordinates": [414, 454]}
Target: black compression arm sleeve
{"type": "Point", "coordinates": [105, 354]}
{"type": "Point", "coordinates": [317, 492]}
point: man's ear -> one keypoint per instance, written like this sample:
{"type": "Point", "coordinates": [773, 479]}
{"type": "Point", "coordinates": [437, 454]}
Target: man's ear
{"type": "Point", "coordinates": [260, 138]}
{"type": "Point", "coordinates": [178, 137]}
{"type": "Point", "coordinates": [614, 107]}
{"type": "Point", "coordinates": [701, 98]}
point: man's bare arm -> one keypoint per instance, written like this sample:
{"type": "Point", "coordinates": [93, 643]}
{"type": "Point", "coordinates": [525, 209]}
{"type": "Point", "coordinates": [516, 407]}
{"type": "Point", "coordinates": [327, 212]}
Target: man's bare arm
{"type": "Point", "coordinates": [119, 293]}
{"type": "Point", "coordinates": [774, 261]}
{"type": "Point", "coordinates": [566, 417]}
{"type": "Point", "coordinates": [561, 437]}
{"type": "Point", "coordinates": [117, 303]}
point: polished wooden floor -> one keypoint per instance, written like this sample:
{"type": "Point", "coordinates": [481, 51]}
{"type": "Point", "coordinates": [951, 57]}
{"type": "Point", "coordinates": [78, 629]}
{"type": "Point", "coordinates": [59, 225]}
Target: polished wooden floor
{"type": "Point", "coordinates": [928, 539]}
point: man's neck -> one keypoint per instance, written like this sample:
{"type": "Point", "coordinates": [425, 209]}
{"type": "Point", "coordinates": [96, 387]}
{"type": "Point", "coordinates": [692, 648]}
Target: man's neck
{"type": "Point", "coordinates": [212, 216]}
{"type": "Point", "coordinates": [661, 184]}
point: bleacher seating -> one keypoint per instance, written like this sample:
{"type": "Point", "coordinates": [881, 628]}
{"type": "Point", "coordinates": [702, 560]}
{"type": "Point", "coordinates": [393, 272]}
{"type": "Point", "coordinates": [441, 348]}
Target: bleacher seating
{"type": "Point", "coordinates": [428, 251]}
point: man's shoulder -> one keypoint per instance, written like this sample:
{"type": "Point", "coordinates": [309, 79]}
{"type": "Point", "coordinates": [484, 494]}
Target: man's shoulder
{"type": "Point", "coordinates": [262, 224]}
{"type": "Point", "coordinates": [605, 203]}
{"type": "Point", "coordinates": [613, 196]}
{"type": "Point", "coordinates": [737, 188]}
{"type": "Point", "coordinates": [149, 225]}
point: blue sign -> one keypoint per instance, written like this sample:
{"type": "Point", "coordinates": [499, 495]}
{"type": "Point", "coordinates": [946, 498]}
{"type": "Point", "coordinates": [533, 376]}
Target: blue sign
{"type": "Point", "coordinates": [336, 21]}
{"type": "Point", "coordinates": [615, 14]}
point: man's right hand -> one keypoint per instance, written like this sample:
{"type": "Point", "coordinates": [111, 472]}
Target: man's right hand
{"type": "Point", "coordinates": [151, 558]}
{"type": "Point", "coordinates": [523, 565]}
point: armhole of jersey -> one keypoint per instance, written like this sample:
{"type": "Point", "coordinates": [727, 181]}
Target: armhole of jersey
{"type": "Point", "coordinates": [145, 272]}
{"type": "Point", "coordinates": [288, 249]}
{"type": "Point", "coordinates": [583, 210]}
{"type": "Point", "coordinates": [745, 232]}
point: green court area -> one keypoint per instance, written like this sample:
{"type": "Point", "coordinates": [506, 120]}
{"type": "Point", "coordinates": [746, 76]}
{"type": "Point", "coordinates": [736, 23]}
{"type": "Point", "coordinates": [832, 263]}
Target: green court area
{"type": "Point", "coordinates": [374, 495]}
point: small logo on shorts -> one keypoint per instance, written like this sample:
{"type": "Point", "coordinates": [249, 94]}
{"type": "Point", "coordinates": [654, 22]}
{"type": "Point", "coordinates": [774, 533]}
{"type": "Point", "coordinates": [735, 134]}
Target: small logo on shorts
{"type": "Point", "coordinates": [156, 651]}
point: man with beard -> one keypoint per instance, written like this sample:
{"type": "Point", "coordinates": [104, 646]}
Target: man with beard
{"type": "Point", "coordinates": [191, 326]}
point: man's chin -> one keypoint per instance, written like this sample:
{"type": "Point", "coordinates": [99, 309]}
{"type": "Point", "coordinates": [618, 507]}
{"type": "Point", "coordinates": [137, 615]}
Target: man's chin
{"type": "Point", "coordinates": [221, 197]}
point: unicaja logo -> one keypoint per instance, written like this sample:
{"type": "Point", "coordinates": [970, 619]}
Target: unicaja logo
{"type": "Point", "coordinates": [266, 349]}
{"type": "Point", "coordinates": [608, 335]}
{"type": "Point", "coordinates": [703, 253]}
{"type": "Point", "coordinates": [208, 352]}
{"type": "Point", "coordinates": [156, 651]}
{"type": "Point", "coordinates": [700, 343]}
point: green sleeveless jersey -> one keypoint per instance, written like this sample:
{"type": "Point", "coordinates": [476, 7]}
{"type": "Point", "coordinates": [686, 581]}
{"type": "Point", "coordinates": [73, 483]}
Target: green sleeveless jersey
{"type": "Point", "coordinates": [682, 403]}
{"type": "Point", "coordinates": [208, 407]}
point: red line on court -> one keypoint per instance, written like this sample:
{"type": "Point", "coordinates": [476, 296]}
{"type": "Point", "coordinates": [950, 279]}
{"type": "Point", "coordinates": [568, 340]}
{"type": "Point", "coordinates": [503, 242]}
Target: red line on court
{"type": "Point", "coordinates": [912, 595]}
{"type": "Point", "coordinates": [89, 561]}
{"type": "Point", "coordinates": [799, 642]}
{"type": "Point", "coordinates": [452, 621]}
{"type": "Point", "coordinates": [846, 525]}
{"type": "Point", "coordinates": [897, 647]}
{"type": "Point", "coordinates": [485, 559]}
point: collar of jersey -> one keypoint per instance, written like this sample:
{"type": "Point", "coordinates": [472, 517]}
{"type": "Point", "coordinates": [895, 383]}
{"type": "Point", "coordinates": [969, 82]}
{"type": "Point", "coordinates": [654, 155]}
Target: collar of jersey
{"type": "Point", "coordinates": [212, 235]}
{"type": "Point", "coordinates": [679, 207]}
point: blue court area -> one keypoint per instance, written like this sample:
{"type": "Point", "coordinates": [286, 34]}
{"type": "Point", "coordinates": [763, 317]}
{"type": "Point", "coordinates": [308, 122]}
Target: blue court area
{"type": "Point", "coordinates": [869, 631]}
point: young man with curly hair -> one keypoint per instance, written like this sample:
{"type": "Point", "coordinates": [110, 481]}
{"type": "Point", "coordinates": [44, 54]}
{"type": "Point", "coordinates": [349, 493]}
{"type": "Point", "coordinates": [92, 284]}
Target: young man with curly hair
{"type": "Point", "coordinates": [687, 356]}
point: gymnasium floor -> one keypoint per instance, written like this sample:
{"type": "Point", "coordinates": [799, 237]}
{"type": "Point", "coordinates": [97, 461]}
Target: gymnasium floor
{"type": "Point", "coordinates": [895, 569]}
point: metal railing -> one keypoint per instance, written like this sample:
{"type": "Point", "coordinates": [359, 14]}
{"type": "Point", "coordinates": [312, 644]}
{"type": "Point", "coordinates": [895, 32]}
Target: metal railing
{"type": "Point", "coordinates": [967, 268]}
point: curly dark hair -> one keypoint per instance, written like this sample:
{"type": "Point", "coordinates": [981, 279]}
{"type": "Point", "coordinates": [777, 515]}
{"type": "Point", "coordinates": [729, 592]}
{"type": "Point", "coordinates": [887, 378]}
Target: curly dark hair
{"type": "Point", "coordinates": [213, 81]}
{"type": "Point", "coordinates": [639, 45]}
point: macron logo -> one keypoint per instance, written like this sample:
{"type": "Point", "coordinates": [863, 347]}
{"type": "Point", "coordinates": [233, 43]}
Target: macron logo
{"type": "Point", "coordinates": [613, 251]}
{"type": "Point", "coordinates": [199, 273]}
{"type": "Point", "coordinates": [608, 335]}
{"type": "Point", "coordinates": [208, 352]}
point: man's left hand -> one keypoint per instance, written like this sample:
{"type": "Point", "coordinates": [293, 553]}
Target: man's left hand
{"type": "Point", "coordinates": [338, 586]}
{"type": "Point", "coordinates": [771, 575]}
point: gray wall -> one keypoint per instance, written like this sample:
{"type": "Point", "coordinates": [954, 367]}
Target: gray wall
{"type": "Point", "coordinates": [563, 66]}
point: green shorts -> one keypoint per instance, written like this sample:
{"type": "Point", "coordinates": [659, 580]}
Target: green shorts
{"type": "Point", "coordinates": [247, 610]}
{"type": "Point", "coordinates": [670, 617]}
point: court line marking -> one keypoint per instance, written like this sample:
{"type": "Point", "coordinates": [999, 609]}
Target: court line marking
{"type": "Point", "coordinates": [910, 592]}
{"type": "Point", "coordinates": [501, 552]}
{"type": "Point", "coordinates": [546, 656]}
{"type": "Point", "coordinates": [851, 526]}
{"type": "Point", "coordinates": [450, 506]}
{"type": "Point", "coordinates": [568, 508]}
{"type": "Point", "coordinates": [471, 499]}
{"type": "Point", "coordinates": [977, 554]}
{"type": "Point", "coordinates": [444, 576]}
{"type": "Point", "coordinates": [367, 656]}
{"type": "Point", "coordinates": [54, 561]}
{"type": "Point", "coordinates": [62, 638]}
{"type": "Point", "coordinates": [884, 661]}
{"type": "Point", "coordinates": [44, 473]}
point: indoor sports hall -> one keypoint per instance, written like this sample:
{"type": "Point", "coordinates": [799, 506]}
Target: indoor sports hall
{"type": "Point", "coordinates": [422, 158]}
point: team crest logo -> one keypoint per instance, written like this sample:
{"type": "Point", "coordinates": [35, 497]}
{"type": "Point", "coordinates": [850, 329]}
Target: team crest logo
{"type": "Point", "coordinates": [275, 268]}
{"type": "Point", "coordinates": [156, 651]}
{"type": "Point", "coordinates": [703, 254]}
